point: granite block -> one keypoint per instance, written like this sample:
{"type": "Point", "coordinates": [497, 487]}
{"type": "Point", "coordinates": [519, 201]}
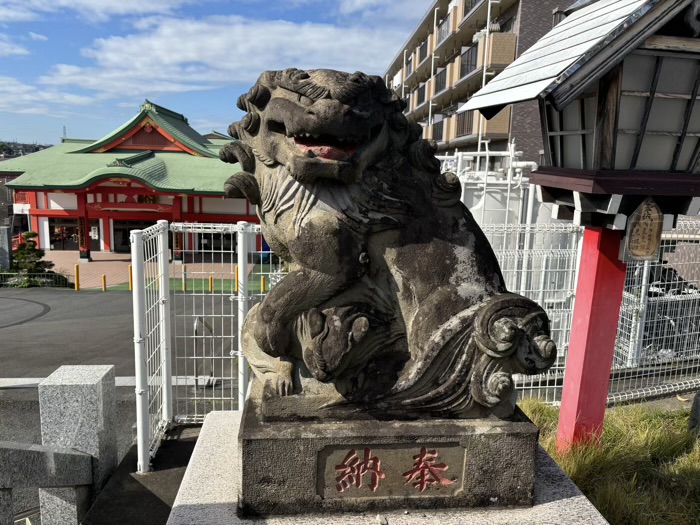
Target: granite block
{"type": "Point", "coordinates": [7, 515]}
{"type": "Point", "coordinates": [78, 406]}
{"type": "Point", "coordinates": [64, 505]}
{"type": "Point", "coordinates": [23, 465]}
{"type": "Point", "coordinates": [208, 493]}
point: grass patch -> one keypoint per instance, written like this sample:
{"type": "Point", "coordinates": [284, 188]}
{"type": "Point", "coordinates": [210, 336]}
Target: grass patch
{"type": "Point", "coordinates": [644, 470]}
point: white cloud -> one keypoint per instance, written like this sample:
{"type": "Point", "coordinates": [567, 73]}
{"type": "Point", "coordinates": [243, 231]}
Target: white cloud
{"type": "Point", "coordinates": [21, 98]}
{"type": "Point", "coordinates": [7, 47]}
{"type": "Point", "coordinates": [95, 10]}
{"type": "Point", "coordinates": [168, 55]}
{"type": "Point", "coordinates": [38, 37]}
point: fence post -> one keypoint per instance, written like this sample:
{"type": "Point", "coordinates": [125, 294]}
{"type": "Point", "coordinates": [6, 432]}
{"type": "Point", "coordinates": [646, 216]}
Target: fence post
{"type": "Point", "coordinates": [139, 306]}
{"type": "Point", "coordinates": [242, 282]}
{"type": "Point", "coordinates": [164, 312]}
{"type": "Point", "coordinates": [634, 354]}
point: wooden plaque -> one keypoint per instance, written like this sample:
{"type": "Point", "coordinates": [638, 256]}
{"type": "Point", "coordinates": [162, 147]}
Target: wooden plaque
{"type": "Point", "coordinates": [644, 228]}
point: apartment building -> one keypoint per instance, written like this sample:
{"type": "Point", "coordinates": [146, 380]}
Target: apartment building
{"type": "Point", "coordinates": [443, 62]}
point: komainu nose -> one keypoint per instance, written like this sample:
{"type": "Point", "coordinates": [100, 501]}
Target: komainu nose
{"type": "Point", "coordinates": [327, 109]}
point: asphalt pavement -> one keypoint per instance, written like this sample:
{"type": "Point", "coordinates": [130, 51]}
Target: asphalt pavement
{"type": "Point", "coordinates": [43, 328]}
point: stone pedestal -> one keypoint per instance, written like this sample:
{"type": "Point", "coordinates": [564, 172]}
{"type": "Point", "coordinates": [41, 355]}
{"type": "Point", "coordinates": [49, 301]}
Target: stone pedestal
{"type": "Point", "coordinates": [367, 465]}
{"type": "Point", "coordinates": [209, 493]}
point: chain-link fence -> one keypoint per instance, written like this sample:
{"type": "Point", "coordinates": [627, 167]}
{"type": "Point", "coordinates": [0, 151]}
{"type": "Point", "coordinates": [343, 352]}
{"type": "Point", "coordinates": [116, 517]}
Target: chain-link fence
{"type": "Point", "coordinates": [35, 280]}
{"type": "Point", "coordinates": [658, 341]}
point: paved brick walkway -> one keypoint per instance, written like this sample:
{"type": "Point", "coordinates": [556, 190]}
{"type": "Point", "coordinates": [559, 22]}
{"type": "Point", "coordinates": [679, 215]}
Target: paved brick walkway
{"type": "Point", "coordinates": [116, 267]}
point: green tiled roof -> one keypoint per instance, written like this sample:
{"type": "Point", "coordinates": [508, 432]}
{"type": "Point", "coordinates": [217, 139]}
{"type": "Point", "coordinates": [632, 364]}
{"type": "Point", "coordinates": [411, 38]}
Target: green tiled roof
{"type": "Point", "coordinates": [76, 164]}
{"type": "Point", "coordinates": [173, 123]}
{"type": "Point", "coordinates": [64, 167]}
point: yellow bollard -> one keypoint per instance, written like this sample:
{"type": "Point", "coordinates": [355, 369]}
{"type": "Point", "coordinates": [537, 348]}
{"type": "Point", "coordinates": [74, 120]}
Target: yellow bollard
{"type": "Point", "coordinates": [131, 279]}
{"type": "Point", "coordinates": [262, 284]}
{"type": "Point", "coordinates": [236, 278]}
{"type": "Point", "coordinates": [77, 277]}
{"type": "Point", "coordinates": [104, 283]}
{"type": "Point", "coordinates": [211, 283]}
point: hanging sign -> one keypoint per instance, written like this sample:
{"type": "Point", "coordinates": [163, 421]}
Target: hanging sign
{"type": "Point", "coordinates": [644, 229]}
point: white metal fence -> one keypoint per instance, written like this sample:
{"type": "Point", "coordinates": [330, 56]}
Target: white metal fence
{"type": "Point", "coordinates": [151, 301]}
{"type": "Point", "coordinates": [218, 271]}
{"type": "Point", "coordinates": [540, 261]}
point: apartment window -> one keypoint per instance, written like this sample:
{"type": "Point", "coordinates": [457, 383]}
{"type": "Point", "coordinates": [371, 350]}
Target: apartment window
{"type": "Point", "coordinates": [409, 65]}
{"type": "Point", "coordinates": [421, 95]}
{"type": "Point", "coordinates": [468, 61]}
{"type": "Point", "coordinates": [438, 128]}
{"type": "Point", "coordinates": [444, 29]}
{"type": "Point", "coordinates": [441, 81]}
{"type": "Point", "coordinates": [465, 123]}
{"type": "Point", "coordinates": [508, 25]}
{"type": "Point", "coordinates": [407, 100]}
{"type": "Point", "coordinates": [469, 5]}
{"type": "Point", "coordinates": [423, 51]}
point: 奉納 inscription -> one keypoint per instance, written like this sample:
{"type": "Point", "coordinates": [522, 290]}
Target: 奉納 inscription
{"type": "Point", "coordinates": [391, 470]}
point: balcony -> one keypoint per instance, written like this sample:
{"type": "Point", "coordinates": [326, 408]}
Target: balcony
{"type": "Point", "coordinates": [441, 81]}
{"type": "Point", "coordinates": [465, 123]}
{"type": "Point", "coordinates": [423, 51]}
{"type": "Point", "coordinates": [444, 29]}
{"type": "Point", "coordinates": [468, 61]}
{"type": "Point", "coordinates": [420, 95]}
{"type": "Point", "coordinates": [468, 5]}
{"type": "Point", "coordinates": [438, 129]}
{"type": "Point", "coordinates": [409, 67]}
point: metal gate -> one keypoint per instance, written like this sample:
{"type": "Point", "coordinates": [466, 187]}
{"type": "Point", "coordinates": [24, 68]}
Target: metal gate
{"type": "Point", "coordinates": [151, 303]}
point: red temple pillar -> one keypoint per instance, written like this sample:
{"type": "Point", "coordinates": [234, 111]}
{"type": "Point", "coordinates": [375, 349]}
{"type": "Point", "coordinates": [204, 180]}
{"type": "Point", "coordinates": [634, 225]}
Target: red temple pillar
{"type": "Point", "coordinates": [83, 228]}
{"type": "Point", "coordinates": [593, 332]}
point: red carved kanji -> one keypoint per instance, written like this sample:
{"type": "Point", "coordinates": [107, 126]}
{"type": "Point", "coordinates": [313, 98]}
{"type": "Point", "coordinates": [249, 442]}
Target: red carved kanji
{"type": "Point", "coordinates": [426, 472]}
{"type": "Point", "coordinates": [351, 471]}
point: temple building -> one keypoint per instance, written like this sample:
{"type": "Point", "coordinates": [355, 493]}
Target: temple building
{"type": "Point", "coordinates": [87, 195]}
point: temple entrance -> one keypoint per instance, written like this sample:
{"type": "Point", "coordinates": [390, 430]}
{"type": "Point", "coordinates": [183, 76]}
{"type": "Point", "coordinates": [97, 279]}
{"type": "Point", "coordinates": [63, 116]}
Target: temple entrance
{"type": "Point", "coordinates": [120, 242]}
{"type": "Point", "coordinates": [63, 234]}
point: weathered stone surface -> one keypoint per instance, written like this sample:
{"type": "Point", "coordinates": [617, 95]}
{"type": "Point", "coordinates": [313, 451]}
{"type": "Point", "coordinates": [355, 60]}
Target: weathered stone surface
{"type": "Point", "coordinates": [394, 303]}
{"type": "Point", "coordinates": [351, 466]}
{"type": "Point", "coordinates": [7, 515]}
{"type": "Point", "coordinates": [24, 465]}
{"type": "Point", "coordinates": [212, 499]}
{"type": "Point", "coordinates": [64, 506]}
{"type": "Point", "coordinates": [77, 406]}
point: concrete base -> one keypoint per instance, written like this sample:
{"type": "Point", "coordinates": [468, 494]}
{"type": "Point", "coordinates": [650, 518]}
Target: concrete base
{"type": "Point", "coordinates": [297, 467]}
{"type": "Point", "coordinates": [208, 494]}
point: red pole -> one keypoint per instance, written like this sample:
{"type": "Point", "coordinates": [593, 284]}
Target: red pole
{"type": "Point", "coordinates": [593, 331]}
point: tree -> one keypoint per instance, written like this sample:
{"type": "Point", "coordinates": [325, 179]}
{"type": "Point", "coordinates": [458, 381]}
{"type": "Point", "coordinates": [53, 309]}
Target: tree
{"type": "Point", "coordinates": [28, 258]}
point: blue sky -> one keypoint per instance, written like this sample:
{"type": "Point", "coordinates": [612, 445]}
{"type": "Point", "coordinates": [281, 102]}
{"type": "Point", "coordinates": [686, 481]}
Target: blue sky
{"type": "Point", "coordinates": [88, 64]}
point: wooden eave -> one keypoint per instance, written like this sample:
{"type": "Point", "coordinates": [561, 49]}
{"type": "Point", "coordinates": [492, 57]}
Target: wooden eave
{"type": "Point", "coordinates": [614, 182]}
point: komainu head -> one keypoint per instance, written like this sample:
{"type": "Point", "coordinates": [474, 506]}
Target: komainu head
{"type": "Point", "coordinates": [319, 124]}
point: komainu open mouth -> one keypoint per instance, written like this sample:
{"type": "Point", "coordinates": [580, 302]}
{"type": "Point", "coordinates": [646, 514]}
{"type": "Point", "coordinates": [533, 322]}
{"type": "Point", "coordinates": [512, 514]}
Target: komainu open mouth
{"type": "Point", "coordinates": [326, 146]}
